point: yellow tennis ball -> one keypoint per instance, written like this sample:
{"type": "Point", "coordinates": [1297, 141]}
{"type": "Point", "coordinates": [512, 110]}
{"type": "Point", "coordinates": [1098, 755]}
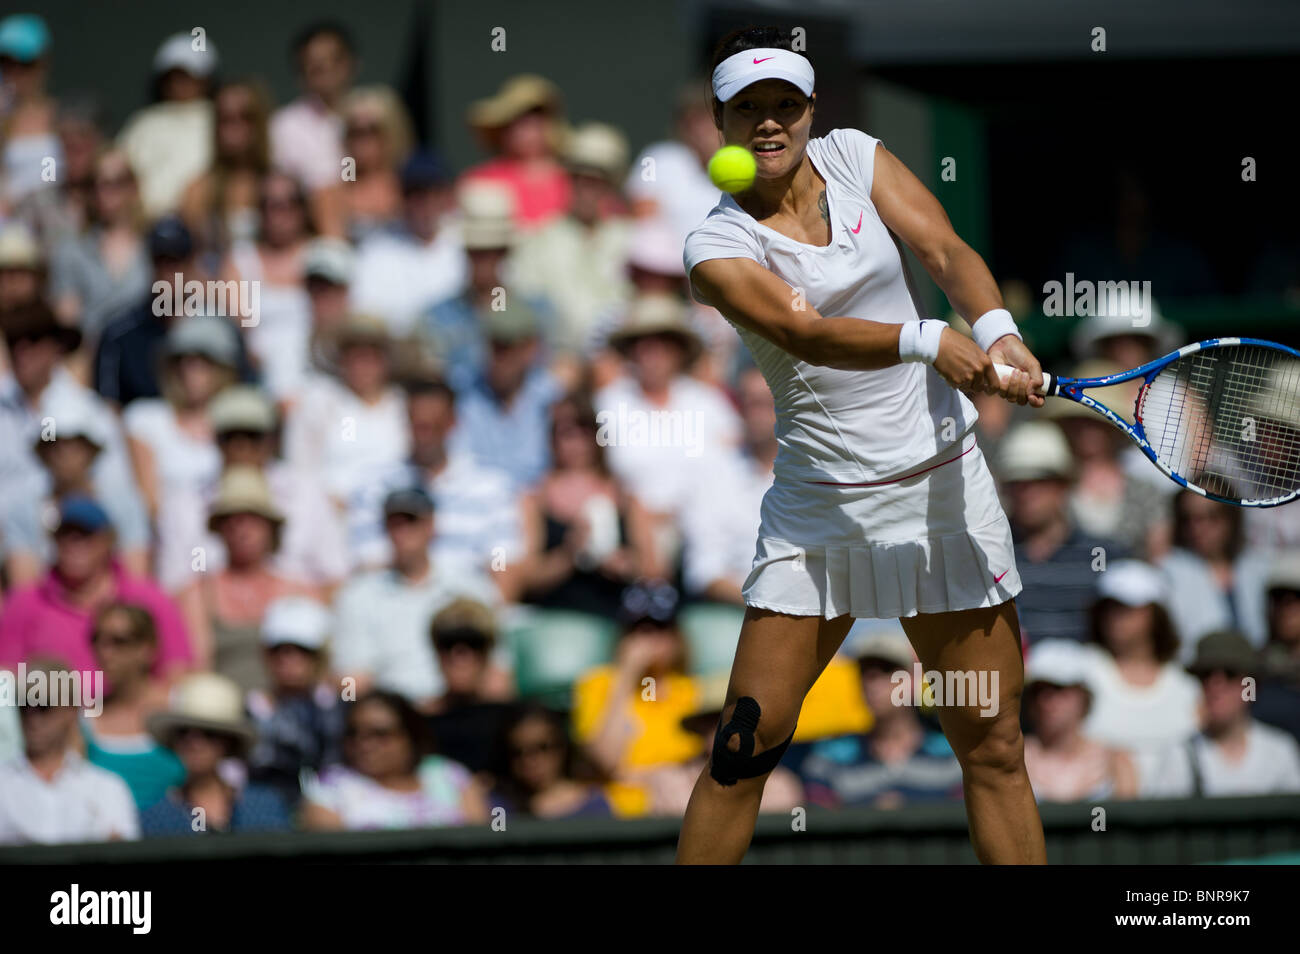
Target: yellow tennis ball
{"type": "Point", "coordinates": [732, 168]}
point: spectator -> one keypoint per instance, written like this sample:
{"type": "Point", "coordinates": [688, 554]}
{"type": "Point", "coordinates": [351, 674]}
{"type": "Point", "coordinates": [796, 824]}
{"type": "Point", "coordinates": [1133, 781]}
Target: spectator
{"type": "Point", "coordinates": [224, 609]}
{"type": "Point", "coordinates": [1106, 501]}
{"type": "Point", "coordinates": [718, 522]}
{"type": "Point", "coordinates": [132, 347]}
{"type": "Point", "coordinates": [480, 522]}
{"type": "Point", "coordinates": [381, 638]}
{"type": "Point", "coordinates": [403, 271]}
{"type": "Point", "coordinates": [1057, 561]}
{"type": "Point", "coordinates": [378, 138]}
{"type": "Point", "coordinates": [274, 265]}
{"type": "Point", "coordinates": [350, 429]}
{"type": "Point", "coordinates": [577, 262]}
{"type": "Point", "coordinates": [1064, 764]}
{"type": "Point", "coordinates": [627, 732]}
{"type": "Point", "coordinates": [29, 140]}
{"type": "Point", "coordinates": [1279, 663]}
{"type": "Point", "coordinates": [521, 126]}
{"type": "Point", "coordinates": [1142, 699]}
{"type": "Point", "coordinates": [669, 180]}
{"type": "Point", "coordinates": [54, 615]}
{"type": "Point", "coordinates": [299, 718]}
{"type": "Point", "coordinates": [170, 142]}
{"type": "Point", "coordinates": [469, 716]}
{"type": "Point", "coordinates": [37, 387]}
{"type": "Point", "coordinates": [658, 420]}
{"type": "Point", "coordinates": [502, 415]}
{"type": "Point", "coordinates": [307, 134]}
{"type": "Point", "coordinates": [67, 448]}
{"type": "Point", "coordinates": [59, 214]}
{"type": "Point", "coordinates": [50, 793]}
{"type": "Point", "coordinates": [328, 267]}
{"type": "Point", "coordinates": [22, 268]}
{"type": "Point", "coordinates": [1232, 754]}
{"type": "Point", "coordinates": [207, 729]}
{"type": "Point", "coordinates": [540, 782]}
{"type": "Point", "coordinates": [171, 441]}
{"type": "Point", "coordinates": [671, 785]}
{"type": "Point", "coordinates": [312, 547]}
{"type": "Point", "coordinates": [125, 643]}
{"type": "Point", "coordinates": [390, 779]}
{"type": "Point", "coordinates": [104, 269]}
{"type": "Point", "coordinates": [1218, 581]}
{"type": "Point", "coordinates": [221, 205]}
{"type": "Point", "coordinates": [587, 538]}
{"type": "Point", "coordinates": [899, 760]}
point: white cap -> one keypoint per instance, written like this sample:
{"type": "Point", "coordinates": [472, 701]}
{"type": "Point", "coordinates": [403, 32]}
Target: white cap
{"type": "Point", "coordinates": [1061, 662]}
{"type": "Point", "coordinates": [1132, 583]}
{"type": "Point", "coordinates": [177, 53]}
{"type": "Point", "coordinates": [1035, 450]}
{"type": "Point", "coordinates": [73, 415]}
{"type": "Point", "coordinates": [296, 621]}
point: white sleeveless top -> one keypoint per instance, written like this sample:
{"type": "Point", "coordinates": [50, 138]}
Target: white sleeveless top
{"type": "Point", "coordinates": [842, 426]}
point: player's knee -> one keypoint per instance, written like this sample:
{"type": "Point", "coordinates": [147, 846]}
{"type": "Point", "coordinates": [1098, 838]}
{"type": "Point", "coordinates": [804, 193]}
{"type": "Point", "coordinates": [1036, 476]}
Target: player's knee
{"type": "Point", "coordinates": [748, 745]}
{"type": "Point", "coordinates": [991, 744]}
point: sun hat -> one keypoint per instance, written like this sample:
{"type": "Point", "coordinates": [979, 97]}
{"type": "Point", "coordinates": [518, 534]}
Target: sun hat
{"type": "Point", "coordinates": [296, 621]}
{"type": "Point", "coordinates": [1132, 583]}
{"type": "Point", "coordinates": [243, 489]}
{"type": "Point", "coordinates": [204, 700]}
{"type": "Point", "coordinates": [517, 95]}
{"type": "Point", "coordinates": [241, 407]}
{"type": "Point", "coordinates": [656, 313]}
{"type": "Point", "coordinates": [1035, 450]}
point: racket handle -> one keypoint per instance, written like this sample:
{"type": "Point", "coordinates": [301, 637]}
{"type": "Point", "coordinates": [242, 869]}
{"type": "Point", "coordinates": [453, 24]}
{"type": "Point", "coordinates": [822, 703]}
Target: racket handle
{"type": "Point", "coordinates": [1005, 371]}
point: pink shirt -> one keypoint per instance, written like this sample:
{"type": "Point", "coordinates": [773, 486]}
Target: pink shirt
{"type": "Point", "coordinates": [307, 142]}
{"type": "Point", "coordinates": [37, 621]}
{"type": "Point", "coordinates": [538, 197]}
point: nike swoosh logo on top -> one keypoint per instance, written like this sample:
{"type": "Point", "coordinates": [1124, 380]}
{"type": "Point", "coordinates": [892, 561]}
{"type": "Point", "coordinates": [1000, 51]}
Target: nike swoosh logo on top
{"type": "Point", "coordinates": [763, 60]}
{"type": "Point", "coordinates": [855, 228]}
{"type": "Point", "coordinates": [998, 578]}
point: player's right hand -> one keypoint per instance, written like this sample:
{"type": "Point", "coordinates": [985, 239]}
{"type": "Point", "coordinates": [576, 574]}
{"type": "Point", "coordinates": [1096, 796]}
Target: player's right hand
{"type": "Point", "coordinates": [964, 365]}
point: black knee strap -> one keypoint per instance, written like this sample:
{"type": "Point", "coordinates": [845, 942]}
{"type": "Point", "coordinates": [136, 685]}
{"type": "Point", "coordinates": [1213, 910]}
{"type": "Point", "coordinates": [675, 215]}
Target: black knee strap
{"type": "Point", "coordinates": [728, 767]}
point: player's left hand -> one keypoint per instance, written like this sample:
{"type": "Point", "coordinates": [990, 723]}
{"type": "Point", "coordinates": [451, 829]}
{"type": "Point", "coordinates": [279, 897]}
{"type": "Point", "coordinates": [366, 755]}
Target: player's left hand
{"type": "Point", "coordinates": [1023, 386]}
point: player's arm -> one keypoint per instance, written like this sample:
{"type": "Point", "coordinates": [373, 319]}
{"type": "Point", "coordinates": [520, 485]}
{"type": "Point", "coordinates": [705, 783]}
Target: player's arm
{"type": "Point", "coordinates": [757, 300]}
{"type": "Point", "coordinates": [912, 213]}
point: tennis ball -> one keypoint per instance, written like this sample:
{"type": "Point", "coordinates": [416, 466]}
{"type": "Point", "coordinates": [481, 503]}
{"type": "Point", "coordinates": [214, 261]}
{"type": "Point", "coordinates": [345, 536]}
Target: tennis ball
{"type": "Point", "coordinates": [732, 168]}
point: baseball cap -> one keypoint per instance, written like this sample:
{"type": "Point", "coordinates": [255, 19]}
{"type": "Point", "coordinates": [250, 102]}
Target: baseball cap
{"type": "Point", "coordinates": [331, 259]}
{"type": "Point", "coordinates": [411, 501]}
{"type": "Point", "coordinates": [241, 408]}
{"type": "Point", "coordinates": [655, 602]}
{"type": "Point", "coordinates": [1058, 662]}
{"type": "Point", "coordinates": [296, 621]}
{"type": "Point", "coordinates": [177, 53]}
{"type": "Point", "coordinates": [424, 169]}
{"type": "Point", "coordinates": [169, 238]}
{"type": "Point", "coordinates": [214, 338]}
{"type": "Point", "coordinates": [516, 322]}
{"type": "Point", "coordinates": [83, 513]}
{"type": "Point", "coordinates": [73, 416]}
{"type": "Point", "coordinates": [1132, 583]}
{"type": "Point", "coordinates": [24, 37]}
{"type": "Point", "coordinates": [1035, 450]}
{"type": "Point", "coordinates": [1223, 649]}
{"type": "Point", "coordinates": [890, 647]}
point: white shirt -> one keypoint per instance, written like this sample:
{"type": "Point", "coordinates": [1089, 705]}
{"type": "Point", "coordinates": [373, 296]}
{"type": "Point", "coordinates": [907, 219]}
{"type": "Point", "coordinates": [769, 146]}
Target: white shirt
{"type": "Point", "coordinates": [1270, 766]}
{"type": "Point", "coordinates": [181, 461]}
{"type": "Point", "coordinates": [170, 145]}
{"type": "Point", "coordinates": [382, 627]}
{"type": "Point", "coordinates": [843, 426]}
{"type": "Point", "coordinates": [397, 276]}
{"type": "Point", "coordinates": [1139, 718]}
{"type": "Point", "coordinates": [652, 448]}
{"type": "Point", "coordinates": [719, 521]}
{"type": "Point", "coordinates": [82, 803]}
{"type": "Point", "coordinates": [1201, 607]}
{"type": "Point", "coordinates": [670, 174]}
{"type": "Point", "coordinates": [343, 440]}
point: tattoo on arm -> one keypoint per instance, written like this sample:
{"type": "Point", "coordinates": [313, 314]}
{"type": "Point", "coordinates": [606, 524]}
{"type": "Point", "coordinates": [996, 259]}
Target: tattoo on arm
{"type": "Point", "coordinates": [824, 208]}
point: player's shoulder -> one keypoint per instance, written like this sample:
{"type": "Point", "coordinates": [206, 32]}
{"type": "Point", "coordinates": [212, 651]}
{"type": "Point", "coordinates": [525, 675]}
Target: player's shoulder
{"type": "Point", "coordinates": [846, 153]}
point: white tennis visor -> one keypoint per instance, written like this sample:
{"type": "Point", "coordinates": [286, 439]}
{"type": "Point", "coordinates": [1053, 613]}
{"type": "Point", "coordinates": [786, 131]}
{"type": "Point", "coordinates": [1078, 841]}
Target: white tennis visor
{"type": "Point", "coordinates": [750, 66]}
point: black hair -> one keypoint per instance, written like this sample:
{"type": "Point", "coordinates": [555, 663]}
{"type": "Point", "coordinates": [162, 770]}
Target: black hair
{"type": "Point", "coordinates": [323, 28]}
{"type": "Point", "coordinates": [430, 386]}
{"type": "Point", "coordinates": [413, 724]}
{"type": "Point", "coordinates": [753, 38]}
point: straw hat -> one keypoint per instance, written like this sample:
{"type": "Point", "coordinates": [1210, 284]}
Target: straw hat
{"type": "Point", "coordinates": [598, 148]}
{"type": "Point", "coordinates": [1035, 450]}
{"type": "Point", "coordinates": [243, 490]}
{"type": "Point", "coordinates": [204, 700]}
{"type": "Point", "coordinates": [487, 212]}
{"type": "Point", "coordinates": [656, 313]}
{"type": "Point", "coordinates": [518, 95]}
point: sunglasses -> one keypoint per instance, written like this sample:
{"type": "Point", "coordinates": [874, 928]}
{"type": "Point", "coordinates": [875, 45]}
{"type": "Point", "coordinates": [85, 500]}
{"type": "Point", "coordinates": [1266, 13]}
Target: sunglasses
{"type": "Point", "coordinates": [537, 748]}
{"type": "Point", "coordinates": [372, 733]}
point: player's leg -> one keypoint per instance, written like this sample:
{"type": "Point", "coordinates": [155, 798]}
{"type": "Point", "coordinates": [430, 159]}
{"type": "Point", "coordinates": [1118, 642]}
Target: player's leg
{"type": "Point", "coordinates": [1004, 823]}
{"type": "Point", "coordinates": [777, 661]}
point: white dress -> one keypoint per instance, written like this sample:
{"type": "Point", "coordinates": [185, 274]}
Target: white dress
{"type": "Point", "coordinates": [882, 505]}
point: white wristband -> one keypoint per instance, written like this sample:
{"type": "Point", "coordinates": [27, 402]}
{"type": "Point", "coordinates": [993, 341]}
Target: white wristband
{"type": "Point", "coordinates": [919, 340]}
{"type": "Point", "coordinates": [992, 325]}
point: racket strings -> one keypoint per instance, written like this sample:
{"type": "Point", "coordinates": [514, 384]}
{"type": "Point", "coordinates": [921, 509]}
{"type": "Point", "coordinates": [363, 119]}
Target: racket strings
{"type": "Point", "coordinates": [1227, 420]}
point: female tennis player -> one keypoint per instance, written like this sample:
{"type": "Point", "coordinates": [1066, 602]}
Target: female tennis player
{"type": "Point", "coordinates": [882, 505]}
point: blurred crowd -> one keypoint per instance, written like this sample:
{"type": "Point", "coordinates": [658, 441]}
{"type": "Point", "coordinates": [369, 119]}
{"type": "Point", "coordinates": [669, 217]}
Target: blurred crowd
{"type": "Point", "coordinates": [388, 495]}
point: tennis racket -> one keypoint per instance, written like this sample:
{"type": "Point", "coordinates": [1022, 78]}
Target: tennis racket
{"type": "Point", "coordinates": [1220, 417]}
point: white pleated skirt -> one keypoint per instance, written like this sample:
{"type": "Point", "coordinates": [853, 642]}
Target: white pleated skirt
{"type": "Point", "coordinates": [933, 541]}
